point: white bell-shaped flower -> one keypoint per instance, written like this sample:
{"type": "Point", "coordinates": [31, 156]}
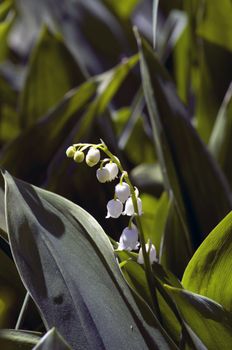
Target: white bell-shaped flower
{"type": "Point", "coordinates": [129, 239]}
{"type": "Point", "coordinates": [129, 208]}
{"type": "Point", "coordinates": [103, 175]}
{"type": "Point", "coordinates": [113, 170]}
{"type": "Point", "coordinates": [152, 254]}
{"type": "Point", "coordinates": [114, 208]}
{"type": "Point", "coordinates": [122, 191]}
{"type": "Point", "coordinates": [93, 156]}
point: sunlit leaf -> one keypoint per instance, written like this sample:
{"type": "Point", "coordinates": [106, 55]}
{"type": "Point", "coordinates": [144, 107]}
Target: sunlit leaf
{"type": "Point", "coordinates": [208, 272]}
{"type": "Point", "coordinates": [207, 319]}
{"type": "Point", "coordinates": [215, 23]}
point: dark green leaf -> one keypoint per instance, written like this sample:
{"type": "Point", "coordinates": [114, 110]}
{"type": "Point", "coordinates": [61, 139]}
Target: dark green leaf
{"type": "Point", "coordinates": [52, 340]}
{"type": "Point", "coordinates": [208, 272]}
{"type": "Point", "coordinates": [67, 263]}
{"type": "Point", "coordinates": [173, 253]}
{"type": "Point", "coordinates": [201, 193]}
{"type": "Point", "coordinates": [210, 322]}
{"type": "Point", "coordinates": [52, 71]}
{"type": "Point", "coordinates": [211, 84]}
{"type": "Point", "coordinates": [29, 154]}
{"type": "Point", "coordinates": [221, 139]}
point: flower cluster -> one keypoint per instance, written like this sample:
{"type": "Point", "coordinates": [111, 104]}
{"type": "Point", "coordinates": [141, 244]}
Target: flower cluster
{"type": "Point", "coordinates": [126, 199]}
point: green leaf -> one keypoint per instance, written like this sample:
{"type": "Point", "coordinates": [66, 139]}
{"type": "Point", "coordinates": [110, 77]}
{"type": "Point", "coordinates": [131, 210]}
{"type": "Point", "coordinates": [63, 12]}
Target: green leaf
{"type": "Point", "coordinates": [4, 31]}
{"type": "Point", "coordinates": [154, 218]}
{"type": "Point", "coordinates": [109, 83]}
{"type": "Point", "coordinates": [52, 71]}
{"type": "Point", "coordinates": [208, 272]}
{"type": "Point", "coordinates": [220, 142]}
{"type": "Point", "coordinates": [123, 9]}
{"type": "Point", "coordinates": [215, 24]}
{"type": "Point", "coordinates": [201, 193]}
{"type": "Point", "coordinates": [173, 253]}
{"type": "Point", "coordinates": [211, 84]}
{"type": "Point", "coordinates": [67, 263]}
{"type": "Point", "coordinates": [29, 154]}
{"type": "Point", "coordinates": [18, 340]}
{"type": "Point", "coordinates": [52, 340]}
{"type": "Point", "coordinates": [5, 7]}
{"type": "Point", "coordinates": [136, 278]}
{"type": "Point", "coordinates": [210, 322]}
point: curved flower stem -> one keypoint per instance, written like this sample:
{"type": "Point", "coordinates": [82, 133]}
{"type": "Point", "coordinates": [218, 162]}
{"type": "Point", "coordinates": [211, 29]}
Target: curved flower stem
{"type": "Point", "coordinates": [148, 270]}
{"type": "Point", "coordinates": [22, 311]}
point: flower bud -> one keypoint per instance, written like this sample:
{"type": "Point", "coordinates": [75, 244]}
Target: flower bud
{"type": "Point", "coordinates": [129, 239]}
{"type": "Point", "coordinates": [129, 207]}
{"type": "Point", "coordinates": [103, 175]}
{"type": "Point", "coordinates": [114, 208]}
{"type": "Point", "coordinates": [93, 156]}
{"type": "Point", "coordinates": [70, 151]}
{"type": "Point", "coordinates": [79, 156]}
{"type": "Point", "coordinates": [152, 254]}
{"type": "Point", "coordinates": [122, 191]}
{"type": "Point", "coordinates": [113, 170]}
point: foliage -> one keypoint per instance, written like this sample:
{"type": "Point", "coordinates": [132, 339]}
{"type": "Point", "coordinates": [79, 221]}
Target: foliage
{"type": "Point", "coordinates": [146, 84]}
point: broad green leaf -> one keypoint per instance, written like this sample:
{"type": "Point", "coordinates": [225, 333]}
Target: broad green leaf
{"type": "Point", "coordinates": [201, 192]}
{"type": "Point", "coordinates": [208, 272]}
{"type": "Point", "coordinates": [67, 263]}
{"type": "Point", "coordinates": [52, 72]}
{"type": "Point", "coordinates": [52, 340]}
{"type": "Point", "coordinates": [11, 339]}
{"type": "Point", "coordinates": [209, 321]}
{"type": "Point", "coordinates": [220, 142]}
{"type": "Point", "coordinates": [215, 24]}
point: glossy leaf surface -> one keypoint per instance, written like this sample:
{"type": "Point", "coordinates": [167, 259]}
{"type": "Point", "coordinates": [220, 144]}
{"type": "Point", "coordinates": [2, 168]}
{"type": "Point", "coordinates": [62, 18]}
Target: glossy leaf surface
{"type": "Point", "coordinates": [46, 233]}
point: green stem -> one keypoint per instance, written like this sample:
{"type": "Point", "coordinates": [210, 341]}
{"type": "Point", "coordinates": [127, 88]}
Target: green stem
{"type": "Point", "coordinates": [22, 311]}
{"type": "Point", "coordinates": [148, 270]}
